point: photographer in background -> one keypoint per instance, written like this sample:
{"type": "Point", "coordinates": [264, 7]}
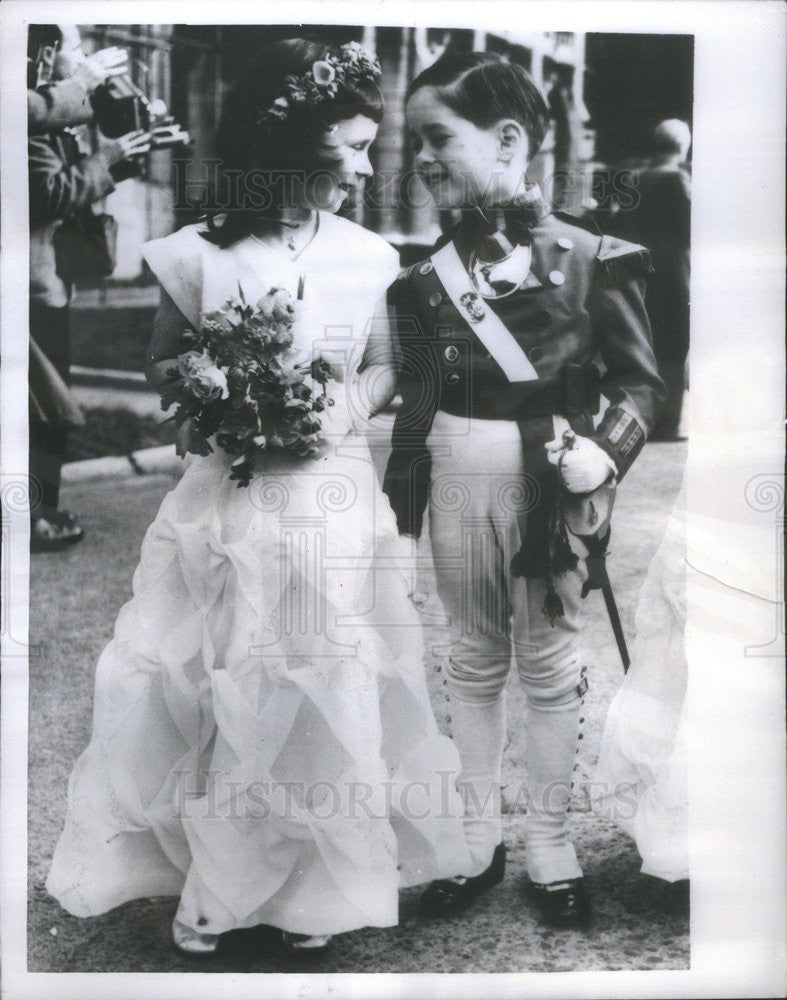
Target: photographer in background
{"type": "Point", "coordinates": [65, 180]}
{"type": "Point", "coordinates": [54, 103]}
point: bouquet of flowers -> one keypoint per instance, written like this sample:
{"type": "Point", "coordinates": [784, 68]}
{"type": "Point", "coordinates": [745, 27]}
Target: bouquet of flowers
{"type": "Point", "coordinates": [241, 381]}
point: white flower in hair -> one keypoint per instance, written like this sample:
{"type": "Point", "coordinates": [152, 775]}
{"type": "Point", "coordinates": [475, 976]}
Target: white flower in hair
{"type": "Point", "coordinates": [322, 81]}
{"type": "Point", "coordinates": [323, 72]}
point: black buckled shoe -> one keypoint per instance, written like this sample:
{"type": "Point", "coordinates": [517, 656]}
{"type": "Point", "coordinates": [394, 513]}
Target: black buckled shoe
{"type": "Point", "coordinates": [562, 904]}
{"type": "Point", "coordinates": [448, 896]}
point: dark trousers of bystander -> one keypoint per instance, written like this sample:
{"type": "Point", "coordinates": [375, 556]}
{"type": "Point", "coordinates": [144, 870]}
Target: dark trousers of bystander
{"type": "Point", "coordinates": [50, 329]}
{"type": "Point", "coordinates": [668, 309]}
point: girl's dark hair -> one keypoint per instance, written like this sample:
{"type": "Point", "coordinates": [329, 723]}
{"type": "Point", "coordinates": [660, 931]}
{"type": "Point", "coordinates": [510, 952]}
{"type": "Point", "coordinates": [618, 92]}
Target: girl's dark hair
{"type": "Point", "coordinates": [483, 88]}
{"type": "Point", "coordinates": [257, 152]}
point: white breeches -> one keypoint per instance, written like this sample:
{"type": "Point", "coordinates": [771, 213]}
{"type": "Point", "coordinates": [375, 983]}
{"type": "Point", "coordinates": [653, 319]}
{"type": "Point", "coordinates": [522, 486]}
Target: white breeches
{"type": "Point", "coordinates": [478, 496]}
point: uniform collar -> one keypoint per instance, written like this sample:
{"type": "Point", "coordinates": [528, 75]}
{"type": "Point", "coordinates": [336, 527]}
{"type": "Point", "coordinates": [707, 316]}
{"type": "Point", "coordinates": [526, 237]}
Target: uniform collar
{"type": "Point", "coordinates": [531, 207]}
{"type": "Point", "coordinates": [515, 220]}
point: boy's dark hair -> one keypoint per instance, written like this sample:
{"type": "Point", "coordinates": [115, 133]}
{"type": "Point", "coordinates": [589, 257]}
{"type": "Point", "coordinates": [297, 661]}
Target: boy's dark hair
{"type": "Point", "coordinates": [249, 146]}
{"type": "Point", "coordinates": [483, 88]}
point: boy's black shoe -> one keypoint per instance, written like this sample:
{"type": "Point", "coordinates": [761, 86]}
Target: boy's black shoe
{"type": "Point", "coordinates": [562, 904]}
{"type": "Point", "coordinates": [448, 896]}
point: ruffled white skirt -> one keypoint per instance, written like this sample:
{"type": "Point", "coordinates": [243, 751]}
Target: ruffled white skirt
{"type": "Point", "coordinates": [263, 744]}
{"type": "Point", "coordinates": [642, 778]}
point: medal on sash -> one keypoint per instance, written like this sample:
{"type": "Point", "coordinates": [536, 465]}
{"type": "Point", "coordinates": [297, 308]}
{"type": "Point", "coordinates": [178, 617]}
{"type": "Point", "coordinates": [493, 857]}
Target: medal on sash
{"type": "Point", "coordinates": [487, 326]}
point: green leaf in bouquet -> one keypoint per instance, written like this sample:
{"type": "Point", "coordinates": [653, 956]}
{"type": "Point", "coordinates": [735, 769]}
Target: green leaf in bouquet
{"type": "Point", "coordinates": [171, 392]}
{"type": "Point", "coordinates": [190, 441]}
{"type": "Point", "coordinates": [302, 391]}
{"type": "Point", "coordinates": [320, 370]}
{"type": "Point", "coordinates": [237, 402]}
{"type": "Point", "coordinates": [309, 425]}
{"type": "Point", "coordinates": [242, 472]}
{"type": "Point", "coordinates": [288, 436]}
{"type": "Point", "coordinates": [230, 443]}
{"type": "Point", "coordinates": [207, 424]}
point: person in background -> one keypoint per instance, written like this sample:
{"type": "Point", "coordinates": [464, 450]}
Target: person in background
{"type": "Point", "coordinates": [565, 114]}
{"type": "Point", "coordinates": [661, 220]}
{"type": "Point", "coordinates": [54, 103]}
{"type": "Point", "coordinates": [63, 181]}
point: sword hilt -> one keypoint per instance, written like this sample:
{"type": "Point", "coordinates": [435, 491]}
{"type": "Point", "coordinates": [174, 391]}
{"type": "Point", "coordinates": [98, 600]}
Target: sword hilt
{"type": "Point", "coordinates": [569, 439]}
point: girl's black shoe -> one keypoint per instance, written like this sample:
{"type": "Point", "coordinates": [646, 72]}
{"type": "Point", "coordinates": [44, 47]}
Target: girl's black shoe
{"type": "Point", "coordinates": [305, 945]}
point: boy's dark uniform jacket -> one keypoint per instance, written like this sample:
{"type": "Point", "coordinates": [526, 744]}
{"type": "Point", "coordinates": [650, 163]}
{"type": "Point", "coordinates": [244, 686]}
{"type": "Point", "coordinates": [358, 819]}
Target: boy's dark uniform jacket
{"type": "Point", "coordinates": [580, 319]}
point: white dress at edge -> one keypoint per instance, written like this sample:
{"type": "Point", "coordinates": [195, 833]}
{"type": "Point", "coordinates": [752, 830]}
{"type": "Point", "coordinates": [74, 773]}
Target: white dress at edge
{"type": "Point", "coordinates": [263, 744]}
{"type": "Point", "coordinates": [642, 773]}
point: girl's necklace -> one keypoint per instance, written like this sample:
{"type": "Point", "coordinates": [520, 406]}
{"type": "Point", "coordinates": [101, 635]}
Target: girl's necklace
{"type": "Point", "coordinates": [293, 240]}
{"type": "Point", "coordinates": [296, 227]}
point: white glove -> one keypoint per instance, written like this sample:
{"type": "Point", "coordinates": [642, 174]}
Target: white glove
{"type": "Point", "coordinates": [582, 465]}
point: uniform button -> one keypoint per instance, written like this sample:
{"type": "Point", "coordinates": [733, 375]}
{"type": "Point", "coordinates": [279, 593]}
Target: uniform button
{"type": "Point", "coordinates": [557, 277]}
{"type": "Point", "coordinates": [535, 353]}
{"type": "Point", "coordinates": [435, 299]}
{"type": "Point", "coordinates": [201, 921]}
{"type": "Point", "coordinates": [565, 243]}
{"type": "Point", "coordinates": [452, 378]}
{"type": "Point", "coordinates": [451, 354]}
{"type": "Point", "coordinates": [426, 268]}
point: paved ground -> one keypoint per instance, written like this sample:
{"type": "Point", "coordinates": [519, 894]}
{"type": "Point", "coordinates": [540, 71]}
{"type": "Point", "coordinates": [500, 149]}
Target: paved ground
{"type": "Point", "coordinates": [640, 922]}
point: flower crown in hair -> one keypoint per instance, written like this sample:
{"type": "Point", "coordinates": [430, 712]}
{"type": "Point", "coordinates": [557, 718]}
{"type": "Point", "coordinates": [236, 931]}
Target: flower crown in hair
{"type": "Point", "coordinates": [322, 81]}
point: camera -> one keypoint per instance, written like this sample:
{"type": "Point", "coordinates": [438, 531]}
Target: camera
{"type": "Point", "coordinates": [120, 107]}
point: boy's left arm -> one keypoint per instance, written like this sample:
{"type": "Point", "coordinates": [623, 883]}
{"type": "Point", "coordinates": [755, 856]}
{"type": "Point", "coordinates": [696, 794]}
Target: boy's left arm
{"type": "Point", "coordinates": [631, 381]}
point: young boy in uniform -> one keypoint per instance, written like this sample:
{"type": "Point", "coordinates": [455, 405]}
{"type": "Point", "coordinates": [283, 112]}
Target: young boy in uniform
{"type": "Point", "coordinates": [509, 335]}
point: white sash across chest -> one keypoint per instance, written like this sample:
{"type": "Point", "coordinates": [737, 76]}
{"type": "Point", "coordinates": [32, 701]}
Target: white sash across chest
{"type": "Point", "coordinates": [489, 328]}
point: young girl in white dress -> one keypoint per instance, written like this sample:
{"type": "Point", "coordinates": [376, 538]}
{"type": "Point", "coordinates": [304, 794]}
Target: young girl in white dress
{"type": "Point", "coordinates": [263, 744]}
